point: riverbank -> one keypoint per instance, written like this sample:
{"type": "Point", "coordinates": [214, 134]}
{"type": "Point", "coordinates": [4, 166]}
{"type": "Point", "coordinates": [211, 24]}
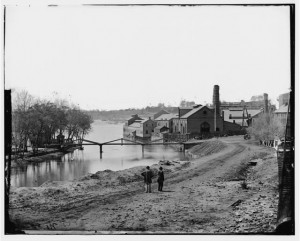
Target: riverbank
{"type": "Point", "coordinates": [44, 155]}
{"type": "Point", "coordinates": [222, 192]}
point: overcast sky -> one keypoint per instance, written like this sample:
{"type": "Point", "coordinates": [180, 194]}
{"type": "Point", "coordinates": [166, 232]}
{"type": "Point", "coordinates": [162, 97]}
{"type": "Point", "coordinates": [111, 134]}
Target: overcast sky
{"type": "Point", "coordinates": [123, 57]}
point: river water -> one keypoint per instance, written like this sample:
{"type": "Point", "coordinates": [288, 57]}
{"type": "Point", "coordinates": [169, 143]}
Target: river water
{"type": "Point", "coordinates": [79, 163]}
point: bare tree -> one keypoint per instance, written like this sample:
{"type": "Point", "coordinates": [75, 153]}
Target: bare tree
{"type": "Point", "coordinates": [185, 103]}
{"type": "Point", "coordinates": [40, 120]}
{"type": "Point", "coordinates": [267, 127]}
{"type": "Point", "coordinates": [21, 102]}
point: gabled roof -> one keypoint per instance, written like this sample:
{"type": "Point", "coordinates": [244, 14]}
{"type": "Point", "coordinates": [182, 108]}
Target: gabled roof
{"type": "Point", "coordinates": [161, 112]}
{"type": "Point", "coordinates": [282, 109]}
{"type": "Point", "coordinates": [145, 120]}
{"type": "Point", "coordinates": [193, 111]}
{"type": "Point", "coordinates": [161, 127]}
{"type": "Point", "coordinates": [135, 125]}
{"type": "Point", "coordinates": [135, 117]}
{"type": "Point", "coordinates": [256, 114]}
{"type": "Point", "coordinates": [166, 117]}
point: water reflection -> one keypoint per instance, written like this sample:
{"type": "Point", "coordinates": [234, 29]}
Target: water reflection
{"type": "Point", "coordinates": [79, 163]}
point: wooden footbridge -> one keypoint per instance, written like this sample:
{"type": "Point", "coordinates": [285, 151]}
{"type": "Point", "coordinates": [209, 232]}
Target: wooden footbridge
{"type": "Point", "coordinates": [127, 142]}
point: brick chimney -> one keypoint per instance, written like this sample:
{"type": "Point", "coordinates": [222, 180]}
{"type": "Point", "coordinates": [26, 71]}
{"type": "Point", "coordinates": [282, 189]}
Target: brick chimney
{"type": "Point", "coordinates": [216, 99]}
{"type": "Point", "coordinates": [266, 104]}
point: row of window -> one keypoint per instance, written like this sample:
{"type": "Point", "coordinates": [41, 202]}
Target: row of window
{"type": "Point", "coordinates": [147, 132]}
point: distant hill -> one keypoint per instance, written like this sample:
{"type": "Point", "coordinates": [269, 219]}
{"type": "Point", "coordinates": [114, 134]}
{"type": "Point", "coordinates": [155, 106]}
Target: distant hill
{"type": "Point", "coordinates": [123, 115]}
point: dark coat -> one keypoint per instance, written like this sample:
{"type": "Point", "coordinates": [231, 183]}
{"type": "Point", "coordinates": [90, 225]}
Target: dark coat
{"type": "Point", "coordinates": [147, 176]}
{"type": "Point", "coordinates": [160, 177]}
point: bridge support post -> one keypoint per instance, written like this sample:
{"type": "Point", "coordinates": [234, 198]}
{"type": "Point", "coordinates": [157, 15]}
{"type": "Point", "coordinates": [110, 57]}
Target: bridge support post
{"type": "Point", "coordinates": [184, 149]}
{"type": "Point", "coordinates": [100, 151]}
{"type": "Point", "coordinates": [143, 151]}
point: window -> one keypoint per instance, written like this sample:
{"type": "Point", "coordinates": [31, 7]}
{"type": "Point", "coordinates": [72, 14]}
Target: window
{"type": "Point", "coordinates": [217, 129]}
{"type": "Point", "coordinates": [204, 112]}
{"type": "Point", "coordinates": [230, 116]}
{"type": "Point", "coordinates": [146, 131]}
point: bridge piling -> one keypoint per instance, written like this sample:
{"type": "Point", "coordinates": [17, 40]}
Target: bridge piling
{"type": "Point", "coordinates": [100, 151]}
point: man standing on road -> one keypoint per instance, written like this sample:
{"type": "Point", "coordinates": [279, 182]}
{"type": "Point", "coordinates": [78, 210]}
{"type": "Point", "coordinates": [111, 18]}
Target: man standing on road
{"type": "Point", "coordinates": [160, 179]}
{"type": "Point", "coordinates": [147, 179]}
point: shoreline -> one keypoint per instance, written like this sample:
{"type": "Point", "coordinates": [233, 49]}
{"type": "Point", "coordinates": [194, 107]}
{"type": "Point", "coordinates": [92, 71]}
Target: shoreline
{"type": "Point", "coordinates": [53, 154]}
{"type": "Point", "coordinates": [198, 197]}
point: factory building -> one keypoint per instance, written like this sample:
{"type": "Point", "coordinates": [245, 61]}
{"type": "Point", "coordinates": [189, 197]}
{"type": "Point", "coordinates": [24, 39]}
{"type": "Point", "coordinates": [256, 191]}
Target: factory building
{"type": "Point", "coordinates": [139, 128]}
{"type": "Point", "coordinates": [166, 120]}
{"type": "Point", "coordinates": [199, 120]}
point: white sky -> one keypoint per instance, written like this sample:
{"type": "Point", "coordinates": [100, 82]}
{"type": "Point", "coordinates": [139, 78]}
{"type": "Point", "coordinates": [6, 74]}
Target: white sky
{"type": "Point", "coordinates": [123, 57]}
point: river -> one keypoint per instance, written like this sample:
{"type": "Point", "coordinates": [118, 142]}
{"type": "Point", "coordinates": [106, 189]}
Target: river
{"type": "Point", "coordinates": [79, 163]}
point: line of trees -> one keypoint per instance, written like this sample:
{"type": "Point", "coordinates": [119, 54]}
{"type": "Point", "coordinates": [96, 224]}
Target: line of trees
{"type": "Point", "coordinates": [40, 121]}
{"type": "Point", "coordinates": [123, 114]}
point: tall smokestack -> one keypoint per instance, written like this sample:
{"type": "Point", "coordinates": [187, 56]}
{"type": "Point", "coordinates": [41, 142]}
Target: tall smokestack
{"type": "Point", "coordinates": [216, 99]}
{"type": "Point", "coordinates": [266, 103]}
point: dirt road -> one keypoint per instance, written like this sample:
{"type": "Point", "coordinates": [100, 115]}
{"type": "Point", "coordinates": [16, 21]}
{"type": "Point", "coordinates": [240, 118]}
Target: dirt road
{"type": "Point", "coordinates": [216, 193]}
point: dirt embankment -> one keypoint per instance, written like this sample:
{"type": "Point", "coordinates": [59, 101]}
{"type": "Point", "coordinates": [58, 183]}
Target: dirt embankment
{"type": "Point", "coordinates": [207, 148]}
{"type": "Point", "coordinates": [221, 192]}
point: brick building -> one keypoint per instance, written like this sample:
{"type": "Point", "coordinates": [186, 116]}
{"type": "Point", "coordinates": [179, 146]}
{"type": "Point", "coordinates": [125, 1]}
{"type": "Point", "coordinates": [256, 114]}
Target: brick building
{"type": "Point", "coordinates": [198, 121]}
{"type": "Point", "coordinates": [166, 120]}
{"type": "Point", "coordinates": [138, 128]}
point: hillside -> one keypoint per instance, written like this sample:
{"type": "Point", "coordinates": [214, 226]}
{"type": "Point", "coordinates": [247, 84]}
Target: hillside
{"type": "Point", "coordinates": [122, 115]}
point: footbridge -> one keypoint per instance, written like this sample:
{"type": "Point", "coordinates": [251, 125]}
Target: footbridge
{"type": "Point", "coordinates": [127, 142]}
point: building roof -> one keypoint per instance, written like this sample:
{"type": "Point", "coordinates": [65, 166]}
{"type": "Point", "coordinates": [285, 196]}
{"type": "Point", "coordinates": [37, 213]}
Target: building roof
{"type": "Point", "coordinates": [282, 109]}
{"type": "Point", "coordinates": [135, 116]}
{"type": "Point", "coordinates": [135, 125]}
{"type": "Point", "coordinates": [254, 112]}
{"type": "Point", "coordinates": [166, 117]}
{"type": "Point", "coordinates": [237, 115]}
{"type": "Point", "coordinates": [161, 112]}
{"type": "Point", "coordinates": [191, 112]}
{"type": "Point", "coordinates": [145, 120]}
{"type": "Point", "coordinates": [161, 127]}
